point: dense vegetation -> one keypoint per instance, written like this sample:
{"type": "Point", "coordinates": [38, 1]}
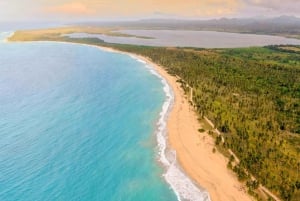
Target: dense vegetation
{"type": "Point", "coordinates": [253, 97]}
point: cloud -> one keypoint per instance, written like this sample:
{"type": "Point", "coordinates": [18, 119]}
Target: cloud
{"type": "Point", "coordinates": [73, 8]}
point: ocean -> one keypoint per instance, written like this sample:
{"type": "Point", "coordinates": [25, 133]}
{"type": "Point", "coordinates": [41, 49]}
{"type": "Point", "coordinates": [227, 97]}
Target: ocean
{"type": "Point", "coordinates": [80, 123]}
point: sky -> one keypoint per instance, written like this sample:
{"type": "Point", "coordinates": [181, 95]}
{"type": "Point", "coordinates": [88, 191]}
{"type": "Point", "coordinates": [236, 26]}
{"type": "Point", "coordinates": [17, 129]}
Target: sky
{"type": "Point", "coordinates": [22, 10]}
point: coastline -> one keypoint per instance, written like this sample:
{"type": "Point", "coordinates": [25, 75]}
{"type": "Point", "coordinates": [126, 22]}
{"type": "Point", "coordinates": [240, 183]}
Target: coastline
{"type": "Point", "coordinates": [193, 149]}
{"type": "Point", "coordinates": [183, 185]}
{"type": "Point", "coordinates": [194, 153]}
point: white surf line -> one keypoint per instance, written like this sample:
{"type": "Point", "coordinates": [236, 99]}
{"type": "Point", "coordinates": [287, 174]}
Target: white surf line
{"type": "Point", "coordinates": [7, 35]}
{"type": "Point", "coordinates": [181, 184]}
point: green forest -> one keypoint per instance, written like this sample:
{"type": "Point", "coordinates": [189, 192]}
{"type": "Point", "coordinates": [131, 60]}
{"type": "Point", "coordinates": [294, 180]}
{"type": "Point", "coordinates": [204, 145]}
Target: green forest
{"type": "Point", "coordinates": [252, 95]}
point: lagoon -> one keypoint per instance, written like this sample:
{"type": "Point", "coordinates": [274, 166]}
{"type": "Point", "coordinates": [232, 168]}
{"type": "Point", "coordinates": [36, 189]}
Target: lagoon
{"type": "Point", "coordinates": [198, 39]}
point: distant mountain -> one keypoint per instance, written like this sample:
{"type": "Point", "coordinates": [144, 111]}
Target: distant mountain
{"type": "Point", "coordinates": [282, 25]}
{"type": "Point", "coordinates": [260, 25]}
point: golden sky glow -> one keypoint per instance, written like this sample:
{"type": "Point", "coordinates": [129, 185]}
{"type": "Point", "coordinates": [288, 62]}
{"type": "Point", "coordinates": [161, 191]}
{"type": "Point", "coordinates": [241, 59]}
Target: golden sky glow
{"type": "Point", "coordinates": [188, 8]}
{"type": "Point", "coordinates": [106, 9]}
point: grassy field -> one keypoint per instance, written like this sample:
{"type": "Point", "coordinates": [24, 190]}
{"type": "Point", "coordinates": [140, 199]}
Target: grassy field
{"type": "Point", "coordinates": [252, 95]}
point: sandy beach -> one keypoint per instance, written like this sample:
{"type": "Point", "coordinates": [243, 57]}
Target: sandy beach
{"type": "Point", "coordinates": [194, 149]}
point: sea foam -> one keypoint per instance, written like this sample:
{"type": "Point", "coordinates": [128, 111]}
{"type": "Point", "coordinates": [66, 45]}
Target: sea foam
{"type": "Point", "coordinates": [181, 184]}
{"type": "Point", "coordinates": [4, 36]}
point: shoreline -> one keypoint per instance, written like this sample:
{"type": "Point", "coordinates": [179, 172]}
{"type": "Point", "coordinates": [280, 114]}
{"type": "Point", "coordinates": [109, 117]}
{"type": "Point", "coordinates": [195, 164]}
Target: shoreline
{"type": "Point", "coordinates": [193, 152]}
{"type": "Point", "coordinates": [184, 186]}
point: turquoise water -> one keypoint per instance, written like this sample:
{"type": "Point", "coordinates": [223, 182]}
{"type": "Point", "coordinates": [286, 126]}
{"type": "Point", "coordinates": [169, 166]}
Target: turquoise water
{"type": "Point", "coordinates": [77, 123]}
